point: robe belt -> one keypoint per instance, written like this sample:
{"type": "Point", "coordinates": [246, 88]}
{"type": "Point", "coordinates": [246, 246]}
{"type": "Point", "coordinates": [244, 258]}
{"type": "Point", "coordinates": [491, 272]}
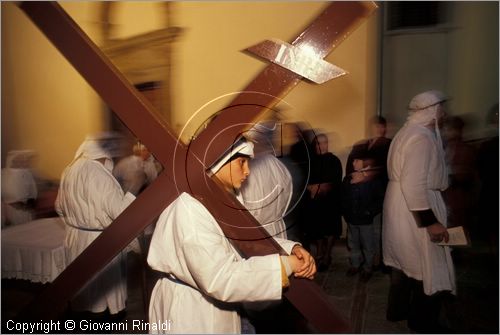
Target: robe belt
{"type": "Point", "coordinates": [177, 281]}
{"type": "Point", "coordinates": [83, 228]}
{"type": "Point", "coordinates": [429, 189]}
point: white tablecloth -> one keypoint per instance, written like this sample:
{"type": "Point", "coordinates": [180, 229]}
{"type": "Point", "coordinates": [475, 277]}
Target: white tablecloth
{"type": "Point", "coordinates": [34, 250]}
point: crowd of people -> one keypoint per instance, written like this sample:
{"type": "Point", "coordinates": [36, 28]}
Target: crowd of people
{"type": "Point", "coordinates": [397, 198]}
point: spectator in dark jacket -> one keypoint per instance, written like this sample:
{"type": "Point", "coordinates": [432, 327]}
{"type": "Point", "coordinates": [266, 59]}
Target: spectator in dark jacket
{"type": "Point", "coordinates": [362, 199]}
{"type": "Point", "coordinates": [376, 149]}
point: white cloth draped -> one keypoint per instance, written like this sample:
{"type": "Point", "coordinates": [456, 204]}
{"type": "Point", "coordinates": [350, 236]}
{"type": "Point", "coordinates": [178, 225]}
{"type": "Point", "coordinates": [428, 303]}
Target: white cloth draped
{"type": "Point", "coordinates": [206, 272]}
{"type": "Point", "coordinates": [39, 258]}
{"type": "Point", "coordinates": [417, 175]}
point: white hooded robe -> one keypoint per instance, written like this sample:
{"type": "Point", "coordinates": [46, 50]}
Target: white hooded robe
{"type": "Point", "coordinates": [90, 198]}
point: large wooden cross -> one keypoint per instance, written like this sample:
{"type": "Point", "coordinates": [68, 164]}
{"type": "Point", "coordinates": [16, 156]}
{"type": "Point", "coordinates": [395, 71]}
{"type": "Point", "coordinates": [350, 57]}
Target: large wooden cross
{"type": "Point", "coordinates": [185, 166]}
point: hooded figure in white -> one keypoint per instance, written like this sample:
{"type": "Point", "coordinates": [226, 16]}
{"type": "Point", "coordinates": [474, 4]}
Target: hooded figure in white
{"type": "Point", "coordinates": [18, 187]}
{"type": "Point", "coordinates": [205, 277]}
{"type": "Point", "coordinates": [88, 201]}
{"type": "Point", "coordinates": [268, 190]}
{"type": "Point", "coordinates": [267, 193]}
{"type": "Point", "coordinates": [414, 211]}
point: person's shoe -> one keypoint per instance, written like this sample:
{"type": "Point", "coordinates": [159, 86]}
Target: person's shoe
{"type": "Point", "coordinates": [365, 276]}
{"type": "Point", "coordinates": [352, 271]}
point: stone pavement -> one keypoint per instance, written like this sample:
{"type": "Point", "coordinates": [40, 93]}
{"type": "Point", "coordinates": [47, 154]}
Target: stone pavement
{"type": "Point", "coordinates": [475, 309]}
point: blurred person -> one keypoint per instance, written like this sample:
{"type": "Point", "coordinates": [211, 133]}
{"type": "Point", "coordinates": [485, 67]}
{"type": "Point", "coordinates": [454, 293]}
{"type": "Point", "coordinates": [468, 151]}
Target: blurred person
{"type": "Point", "coordinates": [89, 199]}
{"type": "Point", "coordinates": [415, 218]}
{"type": "Point", "coordinates": [136, 171]}
{"type": "Point", "coordinates": [374, 149]}
{"type": "Point", "coordinates": [488, 175]}
{"type": "Point", "coordinates": [267, 192]}
{"type": "Point", "coordinates": [324, 201]}
{"type": "Point", "coordinates": [297, 162]}
{"type": "Point", "coordinates": [461, 160]}
{"type": "Point", "coordinates": [19, 188]}
{"type": "Point", "coordinates": [362, 199]}
{"type": "Point", "coordinates": [204, 276]}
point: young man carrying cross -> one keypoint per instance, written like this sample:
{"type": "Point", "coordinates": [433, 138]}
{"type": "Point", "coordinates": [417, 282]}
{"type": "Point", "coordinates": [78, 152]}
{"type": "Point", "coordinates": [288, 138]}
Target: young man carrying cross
{"type": "Point", "coordinates": [205, 277]}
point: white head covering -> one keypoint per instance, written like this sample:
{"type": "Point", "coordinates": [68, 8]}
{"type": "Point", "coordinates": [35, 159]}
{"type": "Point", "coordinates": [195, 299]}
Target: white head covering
{"type": "Point", "coordinates": [423, 109]}
{"type": "Point", "coordinates": [16, 158]}
{"type": "Point", "coordinates": [241, 146]}
{"type": "Point", "coordinates": [424, 106]}
{"type": "Point", "coordinates": [100, 145]}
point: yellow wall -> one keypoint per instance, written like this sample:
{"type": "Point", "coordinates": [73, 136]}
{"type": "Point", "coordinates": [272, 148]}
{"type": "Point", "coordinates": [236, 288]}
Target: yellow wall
{"type": "Point", "coordinates": [48, 107]}
{"type": "Point", "coordinates": [209, 64]}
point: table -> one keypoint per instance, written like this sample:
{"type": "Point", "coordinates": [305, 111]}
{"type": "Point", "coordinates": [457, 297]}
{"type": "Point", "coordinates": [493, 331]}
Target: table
{"type": "Point", "coordinates": [34, 251]}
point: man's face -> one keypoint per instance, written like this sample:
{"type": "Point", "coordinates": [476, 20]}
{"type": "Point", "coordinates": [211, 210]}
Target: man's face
{"type": "Point", "coordinates": [233, 174]}
{"type": "Point", "coordinates": [379, 130]}
{"type": "Point", "coordinates": [321, 145]}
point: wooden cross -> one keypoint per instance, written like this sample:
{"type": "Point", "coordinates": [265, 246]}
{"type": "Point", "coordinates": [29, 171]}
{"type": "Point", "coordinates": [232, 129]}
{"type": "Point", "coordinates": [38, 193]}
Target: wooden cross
{"type": "Point", "coordinates": [185, 166]}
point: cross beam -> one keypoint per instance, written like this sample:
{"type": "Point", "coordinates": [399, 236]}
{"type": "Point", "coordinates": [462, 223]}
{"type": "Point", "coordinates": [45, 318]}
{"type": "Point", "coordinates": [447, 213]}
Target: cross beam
{"type": "Point", "coordinates": [186, 172]}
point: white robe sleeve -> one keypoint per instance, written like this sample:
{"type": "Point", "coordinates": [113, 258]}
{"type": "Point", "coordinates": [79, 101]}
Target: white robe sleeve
{"type": "Point", "coordinates": [205, 260]}
{"type": "Point", "coordinates": [415, 173]}
{"type": "Point", "coordinates": [219, 274]}
{"type": "Point", "coordinates": [287, 245]}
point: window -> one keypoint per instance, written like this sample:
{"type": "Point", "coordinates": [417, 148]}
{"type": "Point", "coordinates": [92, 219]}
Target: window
{"type": "Point", "coordinates": [411, 15]}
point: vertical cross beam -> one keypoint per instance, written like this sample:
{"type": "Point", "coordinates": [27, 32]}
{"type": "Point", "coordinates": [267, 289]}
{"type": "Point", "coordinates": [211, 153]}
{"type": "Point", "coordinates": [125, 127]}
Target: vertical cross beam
{"type": "Point", "coordinates": [186, 172]}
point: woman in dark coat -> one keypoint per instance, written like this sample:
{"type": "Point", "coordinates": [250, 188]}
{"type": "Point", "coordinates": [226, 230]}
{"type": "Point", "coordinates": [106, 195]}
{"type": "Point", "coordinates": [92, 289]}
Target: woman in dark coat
{"type": "Point", "coordinates": [324, 222]}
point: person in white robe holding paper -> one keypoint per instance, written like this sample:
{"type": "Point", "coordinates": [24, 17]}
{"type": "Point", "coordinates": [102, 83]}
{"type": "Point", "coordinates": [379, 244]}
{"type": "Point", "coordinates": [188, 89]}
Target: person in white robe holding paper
{"type": "Point", "coordinates": [415, 217]}
{"type": "Point", "coordinates": [205, 277]}
{"type": "Point", "coordinates": [88, 201]}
